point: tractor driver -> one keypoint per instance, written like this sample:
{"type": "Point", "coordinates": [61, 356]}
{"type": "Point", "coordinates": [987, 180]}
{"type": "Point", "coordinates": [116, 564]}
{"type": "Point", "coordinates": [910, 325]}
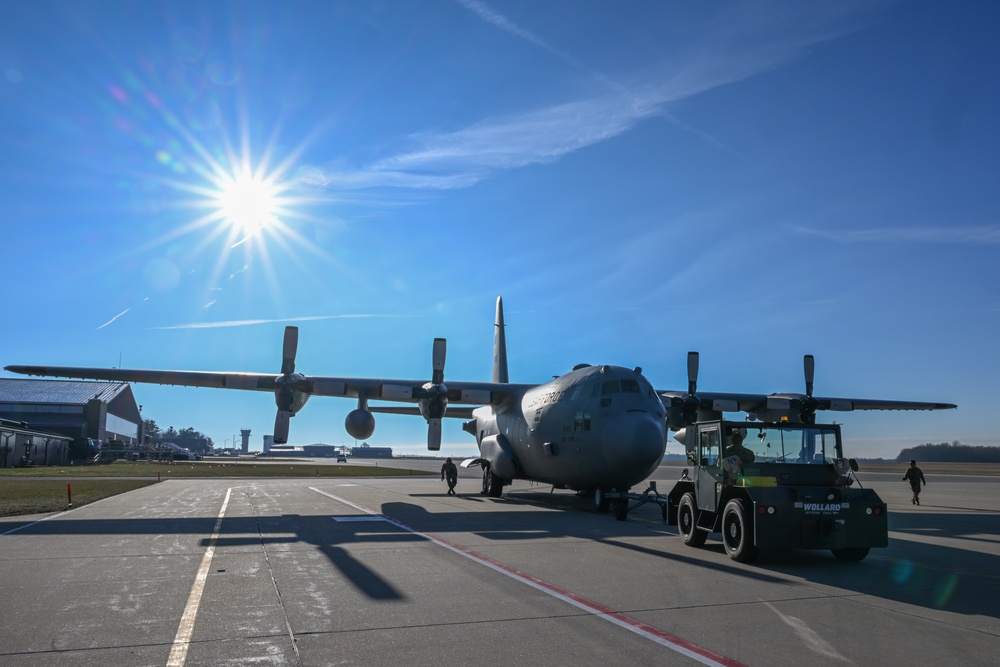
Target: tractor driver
{"type": "Point", "coordinates": [737, 449]}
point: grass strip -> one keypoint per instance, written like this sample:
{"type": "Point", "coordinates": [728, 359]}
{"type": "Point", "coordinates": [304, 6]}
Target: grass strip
{"type": "Point", "coordinates": [42, 496]}
{"type": "Point", "coordinates": [187, 469]}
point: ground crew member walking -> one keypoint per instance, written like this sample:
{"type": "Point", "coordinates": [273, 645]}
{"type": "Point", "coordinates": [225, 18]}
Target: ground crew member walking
{"type": "Point", "coordinates": [915, 476]}
{"type": "Point", "coordinates": [449, 471]}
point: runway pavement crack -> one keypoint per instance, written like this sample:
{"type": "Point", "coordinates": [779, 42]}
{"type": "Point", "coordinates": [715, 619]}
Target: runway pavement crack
{"type": "Point", "coordinates": [274, 581]}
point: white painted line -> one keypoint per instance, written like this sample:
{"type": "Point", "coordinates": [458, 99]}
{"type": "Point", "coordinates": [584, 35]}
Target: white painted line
{"type": "Point", "coordinates": [350, 519]}
{"type": "Point", "coordinates": [665, 639]}
{"type": "Point", "coordinates": [34, 523]}
{"type": "Point", "coordinates": [182, 640]}
{"type": "Point", "coordinates": [53, 516]}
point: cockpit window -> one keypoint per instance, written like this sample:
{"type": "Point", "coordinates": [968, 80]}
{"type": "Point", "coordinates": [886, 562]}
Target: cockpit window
{"type": "Point", "coordinates": [610, 387]}
{"type": "Point", "coordinates": [630, 387]}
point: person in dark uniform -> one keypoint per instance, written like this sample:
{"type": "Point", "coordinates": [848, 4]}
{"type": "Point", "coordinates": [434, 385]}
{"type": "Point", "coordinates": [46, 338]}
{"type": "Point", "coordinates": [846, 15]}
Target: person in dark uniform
{"type": "Point", "coordinates": [915, 476]}
{"type": "Point", "coordinates": [449, 472]}
{"type": "Point", "coordinates": [737, 448]}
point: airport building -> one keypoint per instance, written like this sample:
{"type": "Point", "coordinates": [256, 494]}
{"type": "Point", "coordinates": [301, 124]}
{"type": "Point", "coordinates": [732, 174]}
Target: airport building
{"type": "Point", "coordinates": [317, 450]}
{"type": "Point", "coordinates": [21, 446]}
{"type": "Point", "coordinates": [367, 452]}
{"type": "Point", "coordinates": [86, 414]}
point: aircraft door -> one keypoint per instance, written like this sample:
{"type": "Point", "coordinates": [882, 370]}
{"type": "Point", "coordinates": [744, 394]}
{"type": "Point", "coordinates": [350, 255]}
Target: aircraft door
{"type": "Point", "coordinates": [708, 478]}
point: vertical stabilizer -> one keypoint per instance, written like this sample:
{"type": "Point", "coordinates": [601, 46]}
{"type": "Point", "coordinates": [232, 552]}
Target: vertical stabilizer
{"type": "Point", "coordinates": [499, 346]}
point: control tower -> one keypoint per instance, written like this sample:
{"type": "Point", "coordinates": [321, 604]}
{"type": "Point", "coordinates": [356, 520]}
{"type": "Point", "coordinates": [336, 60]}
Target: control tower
{"type": "Point", "coordinates": [245, 432]}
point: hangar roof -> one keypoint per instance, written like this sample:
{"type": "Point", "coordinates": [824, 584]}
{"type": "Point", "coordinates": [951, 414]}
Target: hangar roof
{"type": "Point", "coordinates": [63, 392]}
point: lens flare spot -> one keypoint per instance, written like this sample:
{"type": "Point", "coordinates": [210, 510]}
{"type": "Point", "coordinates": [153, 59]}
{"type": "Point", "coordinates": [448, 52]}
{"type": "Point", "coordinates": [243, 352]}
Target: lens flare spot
{"type": "Point", "coordinates": [161, 275]}
{"type": "Point", "coordinates": [902, 571]}
{"type": "Point", "coordinates": [945, 590]}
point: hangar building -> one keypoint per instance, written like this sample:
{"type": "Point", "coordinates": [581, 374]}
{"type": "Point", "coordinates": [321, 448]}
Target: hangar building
{"type": "Point", "coordinates": [20, 446]}
{"type": "Point", "coordinates": [88, 413]}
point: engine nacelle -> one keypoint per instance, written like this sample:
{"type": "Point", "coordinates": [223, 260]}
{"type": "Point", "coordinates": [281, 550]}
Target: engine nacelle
{"type": "Point", "coordinates": [497, 450]}
{"type": "Point", "coordinates": [360, 424]}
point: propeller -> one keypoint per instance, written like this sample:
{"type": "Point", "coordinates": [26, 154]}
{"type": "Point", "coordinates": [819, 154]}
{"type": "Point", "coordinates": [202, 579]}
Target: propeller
{"type": "Point", "coordinates": [434, 396]}
{"type": "Point", "coordinates": [809, 404]}
{"type": "Point", "coordinates": [691, 401]}
{"type": "Point", "coordinates": [288, 392]}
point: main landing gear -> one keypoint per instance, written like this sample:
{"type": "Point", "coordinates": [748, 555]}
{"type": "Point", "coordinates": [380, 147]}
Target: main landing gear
{"type": "Point", "coordinates": [492, 483]}
{"type": "Point", "coordinates": [619, 501]}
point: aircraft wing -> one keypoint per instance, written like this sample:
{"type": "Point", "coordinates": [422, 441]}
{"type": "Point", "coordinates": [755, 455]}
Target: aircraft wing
{"type": "Point", "coordinates": [735, 402]}
{"type": "Point", "coordinates": [477, 393]}
{"type": "Point", "coordinates": [683, 407]}
{"type": "Point", "coordinates": [291, 390]}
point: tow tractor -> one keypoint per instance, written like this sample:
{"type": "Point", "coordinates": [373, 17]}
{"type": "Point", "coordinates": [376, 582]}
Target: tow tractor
{"type": "Point", "coordinates": [774, 485]}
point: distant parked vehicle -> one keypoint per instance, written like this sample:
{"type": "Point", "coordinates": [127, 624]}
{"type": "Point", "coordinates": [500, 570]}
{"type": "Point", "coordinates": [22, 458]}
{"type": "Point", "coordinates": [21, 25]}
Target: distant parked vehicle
{"type": "Point", "coordinates": [341, 458]}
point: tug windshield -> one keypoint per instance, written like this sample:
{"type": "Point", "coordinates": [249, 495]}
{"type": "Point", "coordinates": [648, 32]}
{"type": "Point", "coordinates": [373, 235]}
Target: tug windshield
{"type": "Point", "coordinates": [779, 443]}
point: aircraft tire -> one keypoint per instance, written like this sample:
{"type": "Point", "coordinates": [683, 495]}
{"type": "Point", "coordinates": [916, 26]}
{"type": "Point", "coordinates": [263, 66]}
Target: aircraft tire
{"type": "Point", "coordinates": [687, 522]}
{"type": "Point", "coordinates": [620, 508]}
{"type": "Point", "coordinates": [737, 532]}
{"type": "Point", "coordinates": [492, 484]}
{"type": "Point", "coordinates": [851, 555]}
{"type": "Point", "coordinates": [601, 500]}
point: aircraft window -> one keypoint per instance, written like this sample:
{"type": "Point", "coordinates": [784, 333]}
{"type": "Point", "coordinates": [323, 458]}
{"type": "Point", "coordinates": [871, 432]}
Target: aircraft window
{"type": "Point", "coordinates": [582, 421]}
{"type": "Point", "coordinates": [611, 387]}
{"type": "Point", "coordinates": [630, 387]}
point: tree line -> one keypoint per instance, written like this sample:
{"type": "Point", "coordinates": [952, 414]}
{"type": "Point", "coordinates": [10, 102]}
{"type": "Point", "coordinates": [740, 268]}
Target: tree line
{"type": "Point", "coordinates": [189, 438]}
{"type": "Point", "coordinates": [950, 452]}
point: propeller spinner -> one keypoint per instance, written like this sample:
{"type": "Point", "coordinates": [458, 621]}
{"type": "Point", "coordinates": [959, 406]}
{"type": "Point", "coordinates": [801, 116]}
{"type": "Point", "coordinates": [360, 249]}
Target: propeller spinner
{"type": "Point", "coordinates": [288, 394]}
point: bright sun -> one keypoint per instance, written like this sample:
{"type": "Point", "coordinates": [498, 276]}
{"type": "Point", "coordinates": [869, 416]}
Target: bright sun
{"type": "Point", "coordinates": [248, 203]}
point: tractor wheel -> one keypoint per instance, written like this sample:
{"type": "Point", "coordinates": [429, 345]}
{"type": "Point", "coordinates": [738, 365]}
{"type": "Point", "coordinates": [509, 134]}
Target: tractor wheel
{"type": "Point", "coordinates": [851, 555]}
{"type": "Point", "coordinates": [737, 532]}
{"type": "Point", "coordinates": [687, 522]}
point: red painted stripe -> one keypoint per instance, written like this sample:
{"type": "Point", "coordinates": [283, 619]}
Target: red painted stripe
{"type": "Point", "coordinates": [673, 642]}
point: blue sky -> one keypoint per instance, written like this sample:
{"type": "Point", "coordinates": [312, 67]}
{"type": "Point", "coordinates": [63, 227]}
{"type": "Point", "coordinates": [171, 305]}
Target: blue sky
{"type": "Point", "coordinates": [755, 181]}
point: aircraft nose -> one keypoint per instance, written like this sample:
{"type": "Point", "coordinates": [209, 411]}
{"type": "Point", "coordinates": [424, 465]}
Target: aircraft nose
{"type": "Point", "coordinates": [633, 442]}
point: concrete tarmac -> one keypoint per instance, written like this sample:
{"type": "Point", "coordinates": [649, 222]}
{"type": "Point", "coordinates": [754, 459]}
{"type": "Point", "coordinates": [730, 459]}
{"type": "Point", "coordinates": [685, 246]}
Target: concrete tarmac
{"type": "Point", "coordinates": [323, 571]}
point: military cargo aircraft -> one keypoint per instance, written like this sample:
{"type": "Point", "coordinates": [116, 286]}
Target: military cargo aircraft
{"type": "Point", "coordinates": [597, 429]}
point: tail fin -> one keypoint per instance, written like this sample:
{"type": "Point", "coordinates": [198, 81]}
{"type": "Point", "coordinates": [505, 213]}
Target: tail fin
{"type": "Point", "coordinates": [499, 347]}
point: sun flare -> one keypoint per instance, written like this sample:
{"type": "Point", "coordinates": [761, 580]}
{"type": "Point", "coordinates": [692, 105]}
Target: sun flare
{"type": "Point", "coordinates": [248, 203]}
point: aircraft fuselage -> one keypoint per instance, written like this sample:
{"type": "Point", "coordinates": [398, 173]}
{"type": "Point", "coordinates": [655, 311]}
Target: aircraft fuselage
{"type": "Point", "coordinates": [595, 427]}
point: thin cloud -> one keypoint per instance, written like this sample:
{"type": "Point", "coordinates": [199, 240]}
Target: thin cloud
{"type": "Point", "coordinates": [248, 323]}
{"type": "Point", "coordinates": [985, 235]}
{"type": "Point", "coordinates": [743, 47]}
{"type": "Point", "coordinates": [490, 15]}
{"type": "Point", "coordinates": [113, 319]}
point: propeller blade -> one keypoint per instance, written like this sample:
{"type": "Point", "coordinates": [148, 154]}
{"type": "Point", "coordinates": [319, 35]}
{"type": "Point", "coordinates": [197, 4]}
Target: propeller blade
{"type": "Point", "coordinates": [809, 365]}
{"type": "Point", "coordinates": [692, 372]}
{"type": "Point", "coordinates": [433, 435]}
{"type": "Point", "coordinates": [281, 427]}
{"type": "Point", "coordinates": [288, 349]}
{"type": "Point", "coordinates": [440, 348]}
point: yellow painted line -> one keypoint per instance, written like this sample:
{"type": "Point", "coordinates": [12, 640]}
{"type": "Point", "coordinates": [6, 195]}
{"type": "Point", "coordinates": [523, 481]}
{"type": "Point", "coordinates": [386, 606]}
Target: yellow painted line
{"type": "Point", "coordinates": [179, 650]}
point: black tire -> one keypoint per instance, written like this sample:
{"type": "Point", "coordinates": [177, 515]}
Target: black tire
{"type": "Point", "coordinates": [620, 508]}
{"type": "Point", "coordinates": [687, 522]}
{"type": "Point", "coordinates": [737, 532]}
{"type": "Point", "coordinates": [851, 554]}
{"type": "Point", "coordinates": [601, 500]}
{"type": "Point", "coordinates": [492, 484]}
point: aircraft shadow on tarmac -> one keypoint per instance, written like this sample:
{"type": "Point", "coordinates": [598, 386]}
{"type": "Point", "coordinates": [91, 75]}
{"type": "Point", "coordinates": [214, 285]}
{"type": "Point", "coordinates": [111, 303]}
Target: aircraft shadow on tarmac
{"type": "Point", "coordinates": [929, 575]}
